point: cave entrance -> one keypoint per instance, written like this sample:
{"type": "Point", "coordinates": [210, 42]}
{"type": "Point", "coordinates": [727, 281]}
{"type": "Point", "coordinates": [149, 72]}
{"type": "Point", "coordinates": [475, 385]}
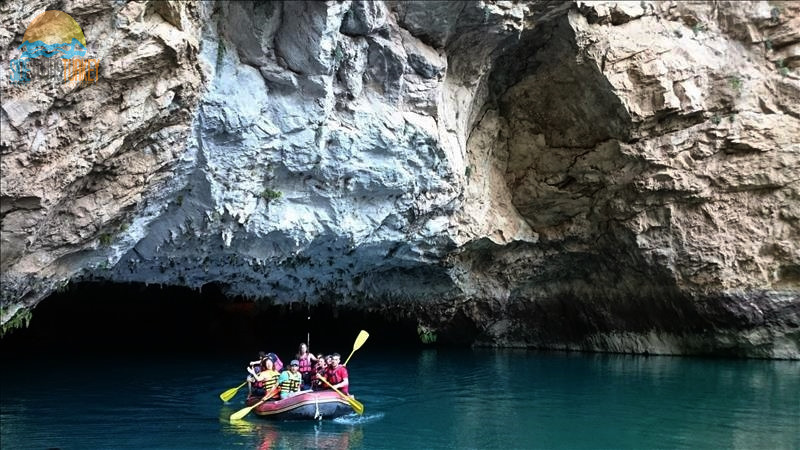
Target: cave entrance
{"type": "Point", "coordinates": [106, 317]}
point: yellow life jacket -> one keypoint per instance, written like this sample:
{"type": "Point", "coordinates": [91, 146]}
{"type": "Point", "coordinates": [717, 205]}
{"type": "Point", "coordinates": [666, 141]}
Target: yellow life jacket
{"type": "Point", "coordinates": [291, 383]}
{"type": "Point", "coordinates": [269, 378]}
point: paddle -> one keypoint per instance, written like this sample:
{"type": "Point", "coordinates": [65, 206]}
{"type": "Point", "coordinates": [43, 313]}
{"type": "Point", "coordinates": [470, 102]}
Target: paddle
{"type": "Point", "coordinates": [246, 410]}
{"type": "Point", "coordinates": [357, 406]}
{"type": "Point", "coordinates": [362, 337]}
{"type": "Point", "coordinates": [227, 395]}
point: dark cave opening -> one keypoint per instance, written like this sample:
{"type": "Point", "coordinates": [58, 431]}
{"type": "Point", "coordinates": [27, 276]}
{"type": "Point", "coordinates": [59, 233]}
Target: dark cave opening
{"type": "Point", "coordinates": [104, 317]}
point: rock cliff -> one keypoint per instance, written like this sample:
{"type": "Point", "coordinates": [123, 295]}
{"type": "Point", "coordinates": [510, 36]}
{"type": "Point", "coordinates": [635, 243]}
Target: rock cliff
{"type": "Point", "coordinates": [589, 175]}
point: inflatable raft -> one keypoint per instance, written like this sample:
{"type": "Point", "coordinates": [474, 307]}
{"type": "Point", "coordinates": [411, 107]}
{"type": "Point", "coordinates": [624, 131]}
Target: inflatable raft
{"type": "Point", "coordinates": [307, 405]}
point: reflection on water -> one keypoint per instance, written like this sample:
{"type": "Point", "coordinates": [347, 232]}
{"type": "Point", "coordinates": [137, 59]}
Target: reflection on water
{"type": "Point", "coordinates": [263, 434]}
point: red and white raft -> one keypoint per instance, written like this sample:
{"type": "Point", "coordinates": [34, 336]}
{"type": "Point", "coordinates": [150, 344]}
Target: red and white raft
{"type": "Point", "coordinates": [306, 405]}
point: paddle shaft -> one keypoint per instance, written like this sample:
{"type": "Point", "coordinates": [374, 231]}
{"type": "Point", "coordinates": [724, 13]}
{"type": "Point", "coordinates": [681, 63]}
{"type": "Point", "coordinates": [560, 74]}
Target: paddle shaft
{"type": "Point", "coordinates": [357, 406]}
{"type": "Point", "coordinates": [348, 358]}
{"type": "Point", "coordinates": [271, 392]}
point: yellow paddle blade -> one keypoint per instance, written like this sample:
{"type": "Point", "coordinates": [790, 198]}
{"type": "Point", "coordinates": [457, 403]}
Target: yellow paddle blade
{"type": "Point", "coordinates": [242, 412]}
{"type": "Point", "coordinates": [362, 337]}
{"type": "Point", "coordinates": [227, 395]}
{"type": "Point", "coordinates": [357, 406]}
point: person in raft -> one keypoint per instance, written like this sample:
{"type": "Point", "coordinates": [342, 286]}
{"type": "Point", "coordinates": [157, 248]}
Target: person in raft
{"type": "Point", "coordinates": [319, 369]}
{"type": "Point", "coordinates": [290, 380]}
{"type": "Point", "coordinates": [253, 368]}
{"type": "Point", "coordinates": [268, 378]}
{"type": "Point", "coordinates": [256, 365]}
{"type": "Point", "coordinates": [306, 369]}
{"type": "Point", "coordinates": [336, 374]}
{"type": "Point", "coordinates": [276, 361]}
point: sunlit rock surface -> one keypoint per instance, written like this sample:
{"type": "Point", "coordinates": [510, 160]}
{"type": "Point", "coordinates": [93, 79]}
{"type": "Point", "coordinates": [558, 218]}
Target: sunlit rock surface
{"type": "Point", "coordinates": [591, 175]}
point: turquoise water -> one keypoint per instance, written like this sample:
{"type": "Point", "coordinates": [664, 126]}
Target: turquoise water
{"type": "Point", "coordinates": [413, 399]}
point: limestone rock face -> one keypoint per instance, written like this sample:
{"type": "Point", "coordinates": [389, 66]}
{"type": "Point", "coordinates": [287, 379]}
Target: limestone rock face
{"type": "Point", "coordinates": [82, 164]}
{"type": "Point", "coordinates": [590, 175]}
